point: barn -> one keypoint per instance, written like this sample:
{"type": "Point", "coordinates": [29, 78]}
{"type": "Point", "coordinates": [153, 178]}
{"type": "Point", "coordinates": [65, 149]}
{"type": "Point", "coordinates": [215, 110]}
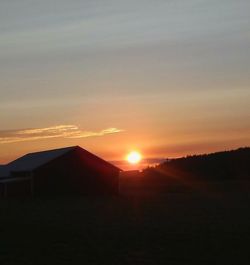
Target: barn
{"type": "Point", "coordinates": [64, 171]}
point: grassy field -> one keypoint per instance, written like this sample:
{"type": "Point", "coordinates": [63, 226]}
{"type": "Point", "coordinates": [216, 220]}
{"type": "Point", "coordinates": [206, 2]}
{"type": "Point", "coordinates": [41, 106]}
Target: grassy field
{"type": "Point", "coordinates": [175, 228]}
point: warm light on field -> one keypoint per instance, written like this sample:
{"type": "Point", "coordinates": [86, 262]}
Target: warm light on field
{"type": "Point", "coordinates": [134, 157]}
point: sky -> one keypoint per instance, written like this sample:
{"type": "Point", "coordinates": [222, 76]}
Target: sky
{"type": "Point", "coordinates": [167, 78]}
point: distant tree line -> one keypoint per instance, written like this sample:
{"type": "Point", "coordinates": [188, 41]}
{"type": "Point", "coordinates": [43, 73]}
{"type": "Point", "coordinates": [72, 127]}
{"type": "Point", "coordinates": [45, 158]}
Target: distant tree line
{"type": "Point", "coordinates": [227, 165]}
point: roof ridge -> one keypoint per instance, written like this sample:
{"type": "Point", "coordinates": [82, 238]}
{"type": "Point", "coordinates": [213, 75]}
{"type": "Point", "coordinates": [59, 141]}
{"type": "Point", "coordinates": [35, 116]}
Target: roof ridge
{"type": "Point", "coordinates": [50, 150]}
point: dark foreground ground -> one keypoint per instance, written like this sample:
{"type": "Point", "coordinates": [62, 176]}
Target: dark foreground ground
{"type": "Point", "coordinates": [174, 228]}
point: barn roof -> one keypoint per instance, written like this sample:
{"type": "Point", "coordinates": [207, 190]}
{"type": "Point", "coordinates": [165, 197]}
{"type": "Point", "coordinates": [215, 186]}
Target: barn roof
{"type": "Point", "coordinates": [32, 161]}
{"type": "Point", "coordinates": [35, 160]}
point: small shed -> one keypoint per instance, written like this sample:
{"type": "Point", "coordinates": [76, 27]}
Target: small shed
{"type": "Point", "coordinates": [64, 171]}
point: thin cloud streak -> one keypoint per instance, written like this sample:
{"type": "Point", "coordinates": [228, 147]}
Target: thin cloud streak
{"type": "Point", "coordinates": [59, 131]}
{"type": "Point", "coordinates": [54, 129]}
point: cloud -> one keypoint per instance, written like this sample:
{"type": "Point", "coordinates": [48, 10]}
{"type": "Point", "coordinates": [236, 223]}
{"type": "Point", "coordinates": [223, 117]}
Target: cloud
{"type": "Point", "coordinates": [59, 131]}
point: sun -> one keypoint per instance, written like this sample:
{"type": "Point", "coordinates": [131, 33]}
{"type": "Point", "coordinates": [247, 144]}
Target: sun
{"type": "Point", "coordinates": [134, 157]}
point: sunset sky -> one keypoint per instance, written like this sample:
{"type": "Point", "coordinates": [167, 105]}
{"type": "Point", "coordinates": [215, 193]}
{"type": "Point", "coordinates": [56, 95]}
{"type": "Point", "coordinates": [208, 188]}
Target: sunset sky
{"type": "Point", "coordinates": [164, 77]}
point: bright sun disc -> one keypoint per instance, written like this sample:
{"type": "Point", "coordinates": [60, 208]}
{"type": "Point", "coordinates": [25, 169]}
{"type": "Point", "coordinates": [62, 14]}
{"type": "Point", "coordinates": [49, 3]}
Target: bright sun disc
{"type": "Point", "coordinates": [134, 157]}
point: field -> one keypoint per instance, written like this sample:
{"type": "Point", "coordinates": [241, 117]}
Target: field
{"type": "Point", "coordinates": [173, 228]}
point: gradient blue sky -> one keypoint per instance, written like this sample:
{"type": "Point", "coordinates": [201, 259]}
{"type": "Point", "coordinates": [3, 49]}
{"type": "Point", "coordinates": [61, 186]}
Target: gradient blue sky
{"type": "Point", "coordinates": [168, 78]}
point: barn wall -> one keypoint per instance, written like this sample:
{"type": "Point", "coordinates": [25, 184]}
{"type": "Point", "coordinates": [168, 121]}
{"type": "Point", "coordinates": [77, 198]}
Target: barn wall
{"type": "Point", "coordinates": [20, 188]}
{"type": "Point", "coordinates": [69, 174]}
{"type": "Point", "coordinates": [1, 190]}
{"type": "Point", "coordinates": [102, 177]}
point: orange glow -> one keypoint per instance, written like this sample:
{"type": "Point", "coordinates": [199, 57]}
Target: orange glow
{"type": "Point", "coordinates": [134, 157]}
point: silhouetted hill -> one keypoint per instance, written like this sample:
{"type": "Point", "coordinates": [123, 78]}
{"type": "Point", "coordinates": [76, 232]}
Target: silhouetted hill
{"type": "Point", "coordinates": [227, 165]}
